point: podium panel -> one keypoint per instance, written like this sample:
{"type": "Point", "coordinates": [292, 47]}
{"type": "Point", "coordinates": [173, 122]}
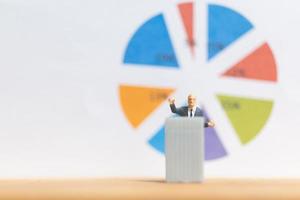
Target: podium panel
{"type": "Point", "coordinates": [184, 149]}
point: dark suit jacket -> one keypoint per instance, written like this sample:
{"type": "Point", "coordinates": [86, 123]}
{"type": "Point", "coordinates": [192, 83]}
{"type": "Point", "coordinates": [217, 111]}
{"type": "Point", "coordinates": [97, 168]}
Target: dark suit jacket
{"type": "Point", "coordinates": [183, 111]}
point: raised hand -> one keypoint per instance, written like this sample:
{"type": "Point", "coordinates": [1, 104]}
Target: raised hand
{"type": "Point", "coordinates": [210, 123]}
{"type": "Point", "coordinates": [171, 100]}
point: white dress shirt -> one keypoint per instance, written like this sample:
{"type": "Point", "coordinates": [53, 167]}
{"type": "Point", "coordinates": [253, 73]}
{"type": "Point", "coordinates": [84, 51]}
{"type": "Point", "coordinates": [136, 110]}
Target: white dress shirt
{"type": "Point", "coordinates": [193, 111]}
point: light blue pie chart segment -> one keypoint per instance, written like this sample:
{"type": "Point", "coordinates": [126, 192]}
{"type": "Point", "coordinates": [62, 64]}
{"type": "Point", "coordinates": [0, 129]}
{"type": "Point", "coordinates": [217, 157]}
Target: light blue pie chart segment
{"type": "Point", "coordinates": [225, 26]}
{"type": "Point", "coordinates": [151, 45]}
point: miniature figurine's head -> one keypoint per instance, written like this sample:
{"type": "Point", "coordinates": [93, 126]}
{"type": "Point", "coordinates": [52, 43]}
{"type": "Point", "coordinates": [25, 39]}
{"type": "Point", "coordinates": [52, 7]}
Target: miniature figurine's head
{"type": "Point", "coordinates": [191, 101]}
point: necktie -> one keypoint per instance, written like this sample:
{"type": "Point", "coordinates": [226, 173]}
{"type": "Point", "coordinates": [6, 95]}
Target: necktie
{"type": "Point", "coordinates": [191, 113]}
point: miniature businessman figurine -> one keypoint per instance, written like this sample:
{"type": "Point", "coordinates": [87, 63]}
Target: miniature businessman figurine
{"type": "Point", "coordinates": [190, 111]}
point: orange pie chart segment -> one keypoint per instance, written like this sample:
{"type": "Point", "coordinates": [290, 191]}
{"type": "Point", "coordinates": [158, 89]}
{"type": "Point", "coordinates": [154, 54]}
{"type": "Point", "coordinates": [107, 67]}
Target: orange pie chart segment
{"type": "Point", "coordinates": [139, 102]}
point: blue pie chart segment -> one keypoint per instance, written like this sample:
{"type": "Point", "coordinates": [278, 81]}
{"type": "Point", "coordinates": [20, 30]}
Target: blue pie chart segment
{"type": "Point", "coordinates": [151, 45]}
{"type": "Point", "coordinates": [224, 27]}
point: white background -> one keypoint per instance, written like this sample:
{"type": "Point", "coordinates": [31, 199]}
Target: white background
{"type": "Point", "coordinates": [60, 114]}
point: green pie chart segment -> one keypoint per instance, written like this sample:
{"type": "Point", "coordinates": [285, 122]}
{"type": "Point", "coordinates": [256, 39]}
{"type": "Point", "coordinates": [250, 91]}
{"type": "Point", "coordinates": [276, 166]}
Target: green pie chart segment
{"type": "Point", "coordinates": [247, 115]}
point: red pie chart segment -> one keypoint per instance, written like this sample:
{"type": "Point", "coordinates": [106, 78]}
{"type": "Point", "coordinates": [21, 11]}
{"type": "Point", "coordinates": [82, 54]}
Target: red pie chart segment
{"type": "Point", "coordinates": [187, 15]}
{"type": "Point", "coordinates": [258, 65]}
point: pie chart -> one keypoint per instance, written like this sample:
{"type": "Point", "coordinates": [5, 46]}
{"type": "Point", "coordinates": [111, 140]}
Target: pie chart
{"type": "Point", "coordinates": [210, 50]}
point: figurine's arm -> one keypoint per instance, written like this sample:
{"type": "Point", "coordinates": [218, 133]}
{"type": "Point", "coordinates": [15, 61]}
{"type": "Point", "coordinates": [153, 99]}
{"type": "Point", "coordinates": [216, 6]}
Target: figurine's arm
{"type": "Point", "coordinates": [178, 111]}
{"type": "Point", "coordinates": [208, 122]}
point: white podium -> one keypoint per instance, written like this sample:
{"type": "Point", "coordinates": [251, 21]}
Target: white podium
{"type": "Point", "coordinates": [184, 149]}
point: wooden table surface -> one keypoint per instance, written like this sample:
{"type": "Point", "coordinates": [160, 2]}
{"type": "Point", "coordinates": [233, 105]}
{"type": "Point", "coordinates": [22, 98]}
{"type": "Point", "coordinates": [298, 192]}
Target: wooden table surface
{"type": "Point", "coordinates": [117, 188]}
